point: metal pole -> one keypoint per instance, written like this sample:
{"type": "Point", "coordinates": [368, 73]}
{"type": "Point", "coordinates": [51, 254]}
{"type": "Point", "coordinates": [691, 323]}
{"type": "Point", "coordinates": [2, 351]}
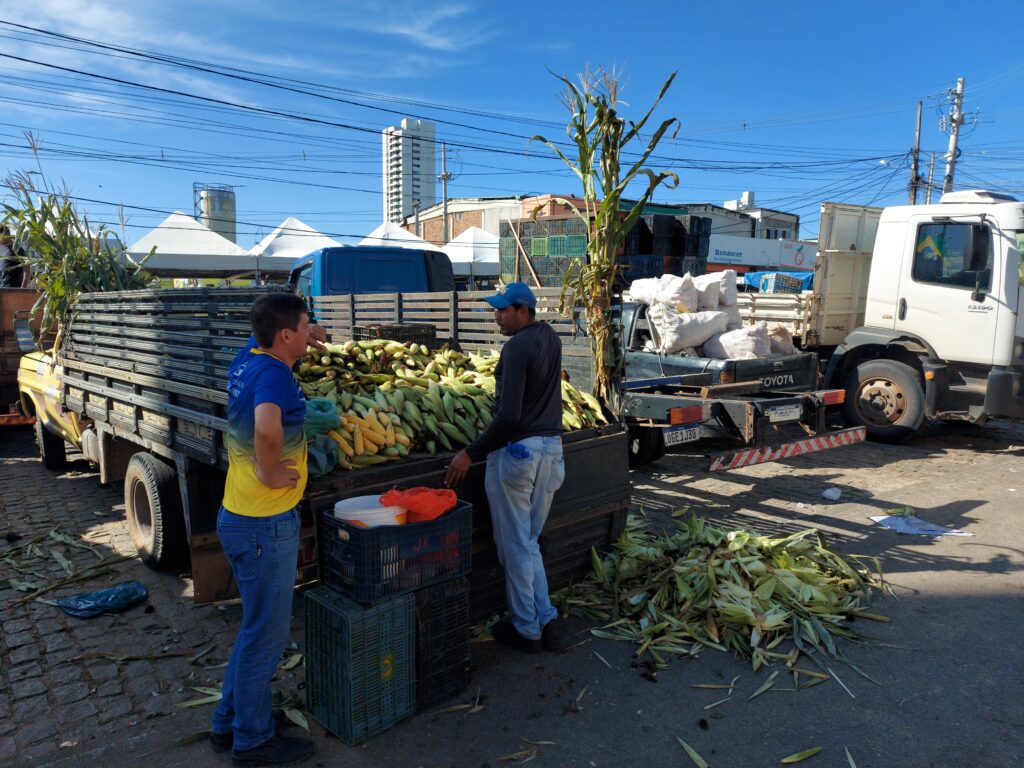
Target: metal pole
{"type": "Point", "coordinates": [956, 119]}
{"type": "Point", "coordinates": [915, 180]}
{"type": "Point", "coordinates": [445, 177]}
{"type": "Point", "coordinates": [931, 173]}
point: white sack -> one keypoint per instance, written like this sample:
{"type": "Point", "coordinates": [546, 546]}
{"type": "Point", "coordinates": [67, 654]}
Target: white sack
{"type": "Point", "coordinates": [677, 331]}
{"type": "Point", "coordinates": [727, 287]}
{"type": "Point", "coordinates": [781, 339]}
{"type": "Point", "coordinates": [645, 290]}
{"type": "Point", "coordinates": [748, 343]}
{"type": "Point", "coordinates": [735, 318]}
{"type": "Point", "coordinates": [678, 292]}
{"type": "Point", "coordinates": [708, 292]}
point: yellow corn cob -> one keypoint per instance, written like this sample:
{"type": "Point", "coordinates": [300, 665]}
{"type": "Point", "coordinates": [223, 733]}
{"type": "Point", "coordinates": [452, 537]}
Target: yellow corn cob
{"type": "Point", "coordinates": [371, 436]}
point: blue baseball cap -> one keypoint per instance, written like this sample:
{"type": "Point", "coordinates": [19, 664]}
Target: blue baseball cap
{"type": "Point", "coordinates": [514, 293]}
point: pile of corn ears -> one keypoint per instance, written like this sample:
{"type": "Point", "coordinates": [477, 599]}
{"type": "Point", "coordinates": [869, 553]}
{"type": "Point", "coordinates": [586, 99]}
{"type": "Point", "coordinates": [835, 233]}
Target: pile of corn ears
{"type": "Point", "coordinates": [705, 587]}
{"type": "Point", "coordinates": [394, 398]}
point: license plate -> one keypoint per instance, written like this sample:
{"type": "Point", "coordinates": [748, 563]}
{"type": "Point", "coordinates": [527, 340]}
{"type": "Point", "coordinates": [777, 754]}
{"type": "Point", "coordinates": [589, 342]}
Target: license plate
{"type": "Point", "coordinates": [784, 413]}
{"type": "Point", "coordinates": [686, 433]}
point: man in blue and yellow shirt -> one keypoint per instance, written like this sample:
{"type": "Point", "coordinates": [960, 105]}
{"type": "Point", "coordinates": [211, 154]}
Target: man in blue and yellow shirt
{"type": "Point", "coordinates": [258, 524]}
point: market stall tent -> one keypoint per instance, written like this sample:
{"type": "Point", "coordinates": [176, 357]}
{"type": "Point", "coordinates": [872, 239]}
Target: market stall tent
{"type": "Point", "coordinates": [292, 240]}
{"type": "Point", "coordinates": [391, 234]}
{"type": "Point", "coordinates": [474, 252]}
{"type": "Point", "coordinates": [184, 247]}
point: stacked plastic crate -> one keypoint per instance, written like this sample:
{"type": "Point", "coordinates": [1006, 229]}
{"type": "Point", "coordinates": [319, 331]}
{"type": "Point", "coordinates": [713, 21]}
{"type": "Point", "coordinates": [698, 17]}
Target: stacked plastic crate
{"type": "Point", "coordinates": [387, 632]}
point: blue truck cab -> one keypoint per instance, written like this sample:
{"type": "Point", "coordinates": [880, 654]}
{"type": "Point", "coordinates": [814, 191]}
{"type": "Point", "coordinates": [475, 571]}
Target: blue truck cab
{"type": "Point", "coordinates": [372, 269]}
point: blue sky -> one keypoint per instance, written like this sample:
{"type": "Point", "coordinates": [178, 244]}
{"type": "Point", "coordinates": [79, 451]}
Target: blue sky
{"type": "Point", "coordinates": [798, 101]}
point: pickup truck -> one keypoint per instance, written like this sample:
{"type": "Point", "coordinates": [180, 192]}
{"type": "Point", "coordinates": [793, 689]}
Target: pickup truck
{"type": "Point", "coordinates": [674, 399]}
{"type": "Point", "coordinates": [139, 388]}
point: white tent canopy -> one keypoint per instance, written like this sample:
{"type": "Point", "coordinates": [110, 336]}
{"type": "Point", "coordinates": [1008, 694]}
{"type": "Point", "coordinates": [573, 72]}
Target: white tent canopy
{"type": "Point", "coordinates": [391, 234]}
{"type": "Point", "coordinates": [186, 247]}
{"type": "Point", "coordinates": [474, 252]}
{"type": "Point", "coordinates": [292, 240]}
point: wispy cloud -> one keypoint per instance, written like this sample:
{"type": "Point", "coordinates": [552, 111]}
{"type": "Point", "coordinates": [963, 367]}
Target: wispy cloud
{"type": "Point", "coordinates": [447, 27]}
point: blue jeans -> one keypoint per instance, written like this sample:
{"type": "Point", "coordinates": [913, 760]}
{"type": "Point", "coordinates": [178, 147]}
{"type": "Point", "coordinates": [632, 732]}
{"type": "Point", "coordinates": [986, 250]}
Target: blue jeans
{"type": "Point", "coordinates": [264, 553]}
{"type": "Point", "coordinates": [519, 491]}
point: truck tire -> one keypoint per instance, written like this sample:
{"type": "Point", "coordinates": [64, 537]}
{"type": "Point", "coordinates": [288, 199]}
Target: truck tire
{"type": "Point", "coordinates": [152, 503]}
{"type": "Point", "coordinates": [52, 450]}
{"type": "Point", "coordinates": [643, 445]}
{"type": "Point", "coordinates": [886, 397]}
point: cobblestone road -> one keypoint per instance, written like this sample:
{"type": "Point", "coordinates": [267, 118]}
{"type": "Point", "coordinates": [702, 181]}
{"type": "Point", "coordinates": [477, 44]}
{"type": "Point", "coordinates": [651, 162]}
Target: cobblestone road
{"type": "Point", "coordinates": [105, 691]}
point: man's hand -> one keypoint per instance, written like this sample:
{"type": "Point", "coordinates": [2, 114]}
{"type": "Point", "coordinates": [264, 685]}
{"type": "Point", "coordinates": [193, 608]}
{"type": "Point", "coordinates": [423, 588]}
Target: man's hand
{"type": "Point", "coordinates": [280, 475]}
{"type": "Point", "coordinates": [457, 469]}
{"type": "Point", "coordinates": [317, 336]}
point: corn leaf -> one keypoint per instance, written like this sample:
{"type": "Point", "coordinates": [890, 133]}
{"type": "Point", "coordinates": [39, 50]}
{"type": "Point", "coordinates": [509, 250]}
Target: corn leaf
{"type": "Point", "coordinates": [698, 761]}
{"type": "Point", "coordinates": [767, 684]}
{"type": "Point", "coordinates": [800, 756]}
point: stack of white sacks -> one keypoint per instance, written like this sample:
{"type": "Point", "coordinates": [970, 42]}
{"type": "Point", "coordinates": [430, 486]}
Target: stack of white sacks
{"type": "Point", "coordinates": [698, 316]}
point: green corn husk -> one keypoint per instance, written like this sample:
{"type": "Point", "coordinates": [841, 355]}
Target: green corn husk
{"type": "Point", "coordinates": [702, 586]}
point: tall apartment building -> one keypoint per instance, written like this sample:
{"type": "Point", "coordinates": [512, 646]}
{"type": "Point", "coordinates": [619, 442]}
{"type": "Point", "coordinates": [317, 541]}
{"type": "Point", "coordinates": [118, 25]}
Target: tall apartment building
{"type": "Point", "coordinates": [410, 168]}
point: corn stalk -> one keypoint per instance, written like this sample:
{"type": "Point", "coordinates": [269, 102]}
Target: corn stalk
{"type": "Point", "coordinates": [600, 136]}
{"type": "Point", "coordinates": [66, 255]}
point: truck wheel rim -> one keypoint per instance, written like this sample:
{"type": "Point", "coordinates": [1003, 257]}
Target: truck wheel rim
{"type": "Point", "coordinates": [141, 512]}
{"type": "Point", "coordinates": [881, 402]}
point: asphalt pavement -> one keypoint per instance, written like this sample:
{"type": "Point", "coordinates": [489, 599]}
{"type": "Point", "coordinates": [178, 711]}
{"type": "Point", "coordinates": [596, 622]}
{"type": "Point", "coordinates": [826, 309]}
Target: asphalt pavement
{"type": "Point", "coordinates": [947, 690]}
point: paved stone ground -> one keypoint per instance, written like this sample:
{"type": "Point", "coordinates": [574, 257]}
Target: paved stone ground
{"type": "Point", "coordinates": [65, 681]}
{"type": "Point", "coordinates": [105, 691]}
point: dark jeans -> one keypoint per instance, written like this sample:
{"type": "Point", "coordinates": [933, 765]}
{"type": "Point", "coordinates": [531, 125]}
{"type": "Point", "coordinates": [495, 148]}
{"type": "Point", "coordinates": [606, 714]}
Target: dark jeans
{"type": "Point", "coordinates": [264, 553]}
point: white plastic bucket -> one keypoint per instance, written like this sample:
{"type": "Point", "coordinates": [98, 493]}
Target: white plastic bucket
{"type": "Point", "coordinates": [367, 512]}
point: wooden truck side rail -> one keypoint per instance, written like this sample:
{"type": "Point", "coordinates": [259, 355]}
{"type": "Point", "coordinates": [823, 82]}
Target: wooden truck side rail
{"type": "Point", "coordinates": [146, 373]}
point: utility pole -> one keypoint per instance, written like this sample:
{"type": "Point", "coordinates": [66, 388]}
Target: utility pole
{"type": "Point", "coordinates": [416, 215]}
{"type": "Point", "coordinates": [915, 179]}
{"type": "Point", "coordinates": [444, 178]}
{"type": "Point", "coordinates": [956, 119]}
{"type": "Point", "coordinates": [931, 173]}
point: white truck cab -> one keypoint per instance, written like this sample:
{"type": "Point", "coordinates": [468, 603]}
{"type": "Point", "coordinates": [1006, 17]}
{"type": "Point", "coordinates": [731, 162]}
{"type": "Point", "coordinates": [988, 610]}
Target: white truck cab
{"type": "Point", "coordinates": [942, 336]}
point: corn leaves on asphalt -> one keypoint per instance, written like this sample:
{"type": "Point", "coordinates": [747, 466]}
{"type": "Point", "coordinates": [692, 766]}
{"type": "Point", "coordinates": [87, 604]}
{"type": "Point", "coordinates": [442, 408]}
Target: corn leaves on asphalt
{"type": "Point", "coordinates": [730, 590]}
{"type": "Point", "coordinates": [394, 398]}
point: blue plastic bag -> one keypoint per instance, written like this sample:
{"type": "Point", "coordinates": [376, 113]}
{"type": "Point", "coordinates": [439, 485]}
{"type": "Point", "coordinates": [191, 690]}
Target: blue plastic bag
{"type": "Point", "coordinates": [85, 605]}
{"type": "Point", "coordinates": [321, 416]}
{"type": "Point", "coordinates": [322, 455]}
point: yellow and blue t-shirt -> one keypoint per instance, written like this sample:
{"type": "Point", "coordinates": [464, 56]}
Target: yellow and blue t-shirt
{"type": "Point", "coordinates": [256, 377]}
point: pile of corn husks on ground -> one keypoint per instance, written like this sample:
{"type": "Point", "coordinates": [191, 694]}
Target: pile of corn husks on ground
{"type": "Point", "coordinates": [395, 397]}
{"type": "Point", "coordinates": [705, 587]}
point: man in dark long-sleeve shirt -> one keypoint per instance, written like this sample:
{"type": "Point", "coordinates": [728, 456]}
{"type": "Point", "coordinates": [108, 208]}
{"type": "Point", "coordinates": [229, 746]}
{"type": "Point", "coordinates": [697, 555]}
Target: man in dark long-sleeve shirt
{"type": "Point", "coordinates": [523, 447]}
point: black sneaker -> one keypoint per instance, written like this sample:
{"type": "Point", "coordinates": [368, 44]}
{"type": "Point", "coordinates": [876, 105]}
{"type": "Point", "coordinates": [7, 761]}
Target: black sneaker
{"type": "Point", "coordinates": [277, 750]}
{"type": "Point", "coordinates": [222, 742]}
{"type": "Point", "coordinates": [551, 637]}
{"type": "Point", "coordinates": [506, 634]}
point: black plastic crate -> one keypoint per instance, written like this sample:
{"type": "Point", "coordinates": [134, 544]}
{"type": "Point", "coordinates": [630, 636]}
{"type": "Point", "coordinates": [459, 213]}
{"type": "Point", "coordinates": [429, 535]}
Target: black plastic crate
{"type": "Point", "coordinates": [406, 333]}
{"type": "Point", "coordinates": [372, 563]}
{"type": "Point", "coordinates": [442, 642]}
{"type": "Point", "coordinates": [359, 663]}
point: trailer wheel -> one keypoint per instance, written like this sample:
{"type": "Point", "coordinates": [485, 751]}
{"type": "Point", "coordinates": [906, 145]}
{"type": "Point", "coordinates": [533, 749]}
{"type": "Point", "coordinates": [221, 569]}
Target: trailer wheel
{"type": "Point", "coordinates": [886, 397]}
{"type": "Point", "coordinates": [643, 446]}
{"type": "Point", "coordinates": [152, 503]}
{"type": "Point", "coordinates": [52, 450]}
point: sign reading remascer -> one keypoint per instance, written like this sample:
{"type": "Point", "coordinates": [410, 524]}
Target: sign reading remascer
{"type": "Point", "coordinates": [754, 252]}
